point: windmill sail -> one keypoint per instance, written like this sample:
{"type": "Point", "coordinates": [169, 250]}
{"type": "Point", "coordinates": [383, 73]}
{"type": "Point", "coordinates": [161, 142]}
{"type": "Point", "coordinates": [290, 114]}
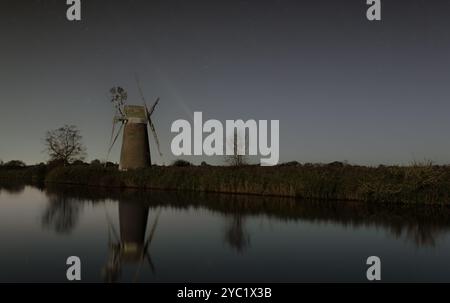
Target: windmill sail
{"type": "Point", "coordinates": [153, 107]}
{"type": "Point", "coordinates": [155, 136]}
{"type": "Point", "coordinates": [113, 141]}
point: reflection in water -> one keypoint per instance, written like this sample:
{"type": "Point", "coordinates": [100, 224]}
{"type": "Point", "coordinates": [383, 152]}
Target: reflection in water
{"type": "Point", "coordinates": [236, 234]}
{"type": "Point", "coordinates": [12, 187]}
{"type": "Point", "coordinates": [418, 224]}
{"type": "Point", "coordinates": [62, 213]}
{"type": "Point", "coordinates": [131, 246]}
{"type": "Point", "coordinates": [201, 233]}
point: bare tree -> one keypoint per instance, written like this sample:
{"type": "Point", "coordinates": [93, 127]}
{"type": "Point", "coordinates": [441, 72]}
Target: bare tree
{"type": "Point", "coordinates": [238, 157]}
{"type": "Point", "coordinates": [64, 144]}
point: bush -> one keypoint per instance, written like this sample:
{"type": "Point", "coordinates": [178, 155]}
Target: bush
{"type": "Point", "coordinates": [14, 164]}
{"type": "Point", "coordinates": [292, 163]}
{"type": "Point", "coordinates": [55, 163]}
{"type": "Point", "coordinates": [181, 163]}
{"type": "Point", "coordinates": [96, 162]}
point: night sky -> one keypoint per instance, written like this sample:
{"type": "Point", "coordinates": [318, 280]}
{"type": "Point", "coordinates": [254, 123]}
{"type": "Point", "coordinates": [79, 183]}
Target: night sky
{"type": "Point", "coordinates": [343, 88]}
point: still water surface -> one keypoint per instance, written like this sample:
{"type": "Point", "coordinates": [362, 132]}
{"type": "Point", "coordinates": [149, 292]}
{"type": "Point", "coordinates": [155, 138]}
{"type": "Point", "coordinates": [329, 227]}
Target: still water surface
{"type": "Point", "coordinates": [186, 237]}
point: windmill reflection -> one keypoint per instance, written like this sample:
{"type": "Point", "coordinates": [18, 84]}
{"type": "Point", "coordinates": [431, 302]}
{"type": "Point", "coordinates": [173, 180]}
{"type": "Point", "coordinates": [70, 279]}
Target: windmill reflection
{"type": "Point", "coordinates": [130, 246]}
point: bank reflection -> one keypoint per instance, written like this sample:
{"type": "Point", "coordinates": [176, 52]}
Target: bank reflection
{"type": "Point", "coordinates": [421, 225]}
{"type": "Point", "coordinates": [130, 245]}
{"type": "Point", "coordinates": [12, 188]}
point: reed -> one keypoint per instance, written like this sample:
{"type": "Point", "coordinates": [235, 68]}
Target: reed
{"type": "Point", "coordinates": [417, 183]}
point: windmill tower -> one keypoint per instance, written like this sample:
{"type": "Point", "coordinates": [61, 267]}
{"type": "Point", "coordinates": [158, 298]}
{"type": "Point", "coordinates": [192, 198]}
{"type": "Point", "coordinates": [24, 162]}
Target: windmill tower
{"type": "Point", "coordinates": [133, 119]}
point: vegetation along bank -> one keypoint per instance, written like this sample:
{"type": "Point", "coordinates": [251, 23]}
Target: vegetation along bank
{"type": "Point", "coordinates": [336, 181]}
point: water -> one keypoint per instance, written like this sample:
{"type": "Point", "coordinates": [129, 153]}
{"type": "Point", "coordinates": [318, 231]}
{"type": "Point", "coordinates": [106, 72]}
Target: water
{"type": "Point", "coordinates": [213, 238]}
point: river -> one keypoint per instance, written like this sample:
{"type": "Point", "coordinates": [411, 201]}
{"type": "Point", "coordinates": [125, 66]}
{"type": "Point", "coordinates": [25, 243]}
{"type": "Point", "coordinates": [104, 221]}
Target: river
{"type": "Point", "coordinates": [156, 236]}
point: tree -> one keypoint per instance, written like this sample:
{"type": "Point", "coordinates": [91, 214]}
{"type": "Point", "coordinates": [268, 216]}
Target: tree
{"type": "Point", "coordinates": [79, 162]}
{"type": "Point", "coordinates": [119, 97]}
{"type": "Point", "coordinates": [238, 157]}
{"type": "Point", "coordinates": [96, 162]}
{"type": "Point", "coordinates": [64, 144]}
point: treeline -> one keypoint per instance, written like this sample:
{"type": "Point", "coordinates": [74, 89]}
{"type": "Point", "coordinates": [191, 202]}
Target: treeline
{"type": "Point", "coordinates": [17, 170]}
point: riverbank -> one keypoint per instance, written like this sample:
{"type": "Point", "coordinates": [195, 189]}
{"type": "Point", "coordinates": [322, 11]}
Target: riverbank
{"type": "Point", "coordinates": [388, 184]}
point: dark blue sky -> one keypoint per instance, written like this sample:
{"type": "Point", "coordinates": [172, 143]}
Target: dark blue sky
{"type": "Point", "coordinates": [342, 87]}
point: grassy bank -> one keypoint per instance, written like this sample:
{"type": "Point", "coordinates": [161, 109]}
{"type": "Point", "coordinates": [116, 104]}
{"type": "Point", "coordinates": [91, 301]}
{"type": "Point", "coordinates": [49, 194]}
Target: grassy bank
{"type": "Point", "coordinates": [412, 184]}
{"type": "Point", "coordinates": [409, 184]}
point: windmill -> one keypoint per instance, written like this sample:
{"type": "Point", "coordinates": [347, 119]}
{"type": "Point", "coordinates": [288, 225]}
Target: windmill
{"type": "Point", "coordinates": [133, 119]}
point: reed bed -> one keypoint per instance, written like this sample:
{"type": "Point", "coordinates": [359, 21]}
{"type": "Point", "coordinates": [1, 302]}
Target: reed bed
{"type": "Point", "coordinates": [388, 184]}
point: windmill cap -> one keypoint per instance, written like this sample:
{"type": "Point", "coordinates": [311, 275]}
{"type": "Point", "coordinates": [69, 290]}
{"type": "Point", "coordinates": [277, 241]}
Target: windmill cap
{"type": "Point", "coordinates": [135, 113]}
